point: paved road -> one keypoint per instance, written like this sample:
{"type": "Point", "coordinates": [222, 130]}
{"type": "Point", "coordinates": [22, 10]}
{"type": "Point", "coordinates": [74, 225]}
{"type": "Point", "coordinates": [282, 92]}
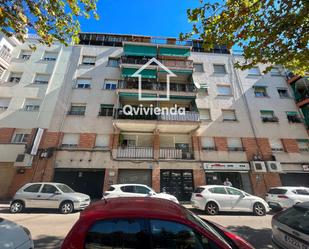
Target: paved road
{"type": "Point", "coordinates": [48, 228]}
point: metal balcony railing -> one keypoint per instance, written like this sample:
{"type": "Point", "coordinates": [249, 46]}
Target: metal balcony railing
{"type": "Point", "coordinates": [173, 153]}
{"type": "Point", "coordinates": [135, 152]}
{"type": "Point", "coordinates": [5, 54]}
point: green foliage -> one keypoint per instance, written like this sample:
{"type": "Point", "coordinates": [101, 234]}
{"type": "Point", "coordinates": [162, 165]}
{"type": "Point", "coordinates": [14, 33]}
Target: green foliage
{"type": "Point", "coordinates": [50, 19]}
{"type": "Point", "coordinates": [268, 31]}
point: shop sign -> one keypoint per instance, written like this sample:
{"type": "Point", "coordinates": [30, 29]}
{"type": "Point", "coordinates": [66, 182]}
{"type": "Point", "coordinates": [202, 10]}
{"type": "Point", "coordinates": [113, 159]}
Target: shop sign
{"type": "Point", "coordinates": [226, 166]}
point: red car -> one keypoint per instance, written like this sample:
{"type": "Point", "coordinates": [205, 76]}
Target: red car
{"type": "Point", "coordinates": [144, 223]}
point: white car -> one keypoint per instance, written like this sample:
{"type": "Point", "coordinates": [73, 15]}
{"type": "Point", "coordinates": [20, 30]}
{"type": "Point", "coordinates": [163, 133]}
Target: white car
{"type": "Point", "coordinates": [285, 197]}
{"type": "Point", "coordinates": [215, 198]}
{"type": "Point", "coordinates": [14, 236]}
{"type": "Point", "coordinates": [135, 190]}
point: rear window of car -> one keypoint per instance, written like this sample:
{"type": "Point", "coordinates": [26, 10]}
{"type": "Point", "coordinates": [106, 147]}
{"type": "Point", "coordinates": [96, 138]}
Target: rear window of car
{"type": "Point", "coordinates": [277, 191]}
{"type": "Point", "coordinates": [33, 188]}
{"type": "Point", "coordinates": [199, 190]}
{"type": "Point", "coordinates": [296, 218]}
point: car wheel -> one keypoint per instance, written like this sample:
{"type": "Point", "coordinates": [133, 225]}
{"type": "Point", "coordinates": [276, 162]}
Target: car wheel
{"type": "Point", "coordinates": [66, 207]}
{"type": "Point", "coordinates": [259, 209]}
{"type": "Point", "coordinates": [16, 207]}
{"type": "Point", "coordinates": [211, 208]}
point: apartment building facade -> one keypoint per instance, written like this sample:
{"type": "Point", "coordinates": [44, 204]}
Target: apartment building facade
{"type": "Point", "coordinates": [69, 116]}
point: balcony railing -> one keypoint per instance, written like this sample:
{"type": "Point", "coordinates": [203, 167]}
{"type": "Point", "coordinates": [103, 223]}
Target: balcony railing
{"type": "Point", "coordinates": [76, 113]}
{"type": "Point", "coordinates": [135, 152]}
{"type": "Point", "coordinates": [187, 116]}
{"type": "Point", "coordinates": [157, 86]}
{"type": "Point", "coordinates": [270, 119]}
{"type": "Point", "coordinates": [5, 54]}
{"type": "Point", "coordinates": [173, 153]}
{"type": "Point", "coordinates": [294, 119]}
{"type": "Point", "coordinates": [169, 63]}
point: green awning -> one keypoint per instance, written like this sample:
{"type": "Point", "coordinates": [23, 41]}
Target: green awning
{"type": "Point", "coordinates": [146, 73]}
{"type": "Point", "coordinates": [135, 95]}
{"type": "Point", "coordinates": [178, 97]}
{"type": "Point", "coordinates": [291, 113]}
{"type": "Point", "coordinates": [303, 140]}
{"type": "Point", "coordinates": [267, 112]}
{"type": "Point", "coordinates": [106, 106]}
{"type": "Point", "coordinates": [178, 71]}
{"type": "Point", "coordinates": [137, 50]}
{"type": "Point", "coordinates": [182, 52]}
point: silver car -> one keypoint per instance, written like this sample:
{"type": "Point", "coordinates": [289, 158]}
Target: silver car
{"type": "Point", "coordinates": [48, 195]}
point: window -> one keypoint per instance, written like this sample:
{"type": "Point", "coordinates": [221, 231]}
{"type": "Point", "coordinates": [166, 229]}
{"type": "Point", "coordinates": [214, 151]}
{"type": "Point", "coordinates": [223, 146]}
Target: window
{"type": "Point", "coordinates": [224, 90]}
{"type": "Point", "coordinates": [4, 103]}
{"type": "Point", "coordinates": [199, 190]}
{"type": "Point", "coordinates": [32, 105]}
{"type": "Point", "coordinates": [232, 191]}
{"type": "Point", "coordinates": [283, 92]}
{"type": "Point", "coordinates": [198, 67]}
{"type": "Point", "coordinates": [293, 117]}
{"type": "Point", "coordinates": [83, 83]}
{"type": "Point", "coordinates": [25, 55]}
{"type": "Point", "coordinates": [21, 136]}
{"type": "Point", "coordinates": [49, 189]}
{"type": "Point", "coordinates": [275, 71]}
{"type": "Point", "coordinates": [208, 143]}
{"type": "Point", "coordinates": [118, 233]}
{"type": "Point", "coordinates": [2, 70]}
{"type": "Point", "coordinates": [141, 190]}
{"type": "Point", "coordinates": [70, 140]}
{"type": "Point", "coordinates": [77, 109]}
{"type": "Point", "coordinates": [303, 145]}
{"type": "Point", "coordinates": [217, 190]}
{"type": "Point", "coordinates": [301, 192]}
{"type": "Point", "coordinates": [205, 114]}
{"type": "Point", "coordinates": [234, 144]}
{"type": "Point", "coordinates": [50, 56]}
{"type": "Point", "coordinates": [260, 91]}
{"type": "Point", "coordinates": [229, 115]}
{"type": "Point", "coordinates": [88, 60]}
{"type": "Point", "coordinates": [15, 77]}
{"type": "Point", "coordinates": [106, 110]}
{"type": "Point", "coordinates": [102, 141]}
{"type": "Point", "coordinates": [277, 191]}
{"type": "Point", "coordinates": [276, 145]}
{"type": "Point", "coordinates": [110, 85]}
{"type": "Point", "coordinates": [268, 116]}
{"type": "Point", "coordinates": [128, 189]}
{"type": "Point", "coordinates": [168, 234]}
{"type": "Point", "coordinates": [219, 69]}
{"type": "Point", "coordinates": [113, 62]}
{"type": "Point", "coordinates": [254, 71]}
{"type": "Point", "coordinates": [41, 79]}
{"type": "Point", "coordinates": [34, 188]}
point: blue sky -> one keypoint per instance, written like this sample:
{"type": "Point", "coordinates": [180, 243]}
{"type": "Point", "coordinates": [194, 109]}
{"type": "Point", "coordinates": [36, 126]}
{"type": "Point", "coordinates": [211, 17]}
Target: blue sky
{"type": "Point", "coordinates": [143, 17]}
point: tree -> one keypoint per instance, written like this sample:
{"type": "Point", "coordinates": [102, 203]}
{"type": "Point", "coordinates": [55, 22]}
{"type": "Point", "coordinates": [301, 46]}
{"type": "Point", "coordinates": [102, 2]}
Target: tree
{"type": "Point", "coordinates": [50, 19]}
{"type": "Point", "coordinates": [268, 31]}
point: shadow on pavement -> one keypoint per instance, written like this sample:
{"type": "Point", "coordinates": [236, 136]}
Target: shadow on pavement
{"type": "Point", "coordinates": [200, 212]}
{"type": "Point", "coordinates": [48, 242]}
{"type": "Point", "coordinates": [259, 238]}
{"type": "Point", "coordinates": [35, 211]}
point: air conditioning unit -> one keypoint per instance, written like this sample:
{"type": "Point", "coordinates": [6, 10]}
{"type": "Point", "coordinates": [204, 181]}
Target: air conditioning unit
{"type": "Point", "coordinates": [23, 160]}
{"type": "Point", "coordinates": [274, 166]}
{"type": "Point", "coordinates": [258, 166]}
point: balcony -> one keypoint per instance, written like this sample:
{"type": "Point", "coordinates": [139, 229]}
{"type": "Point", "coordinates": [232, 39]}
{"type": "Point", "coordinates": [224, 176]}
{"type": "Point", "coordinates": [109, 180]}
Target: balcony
{"type": "Point", "coordinates": [5, 55]}
{"type": "Point", "coordinates": [270, 119]}
{"type": "Point", "coordinates": [173, 153]}
{"type": "Point", "coordinates": [294, 119]}
{"type": "Point", "coordinates": [135, 152]}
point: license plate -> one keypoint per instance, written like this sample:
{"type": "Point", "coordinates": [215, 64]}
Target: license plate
{"type": "Point", "coordinates": [293, 243]}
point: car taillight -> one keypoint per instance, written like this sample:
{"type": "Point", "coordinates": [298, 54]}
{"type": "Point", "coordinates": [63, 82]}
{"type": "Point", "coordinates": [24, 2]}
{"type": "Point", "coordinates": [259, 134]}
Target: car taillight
{"type": "Point", "coordinates": [283, 197]}
{"type": "Point", "coordinates": [198, 195]}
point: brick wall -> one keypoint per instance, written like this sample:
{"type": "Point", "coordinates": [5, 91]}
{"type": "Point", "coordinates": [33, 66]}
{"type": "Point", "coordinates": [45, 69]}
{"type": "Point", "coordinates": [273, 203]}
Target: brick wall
{"type": "Point", "coordinates": [265, 148]}
{"type": "Point", "coordinates": [6, 135]}
{"type": "Point", "coordinates": [156, 179]}
{"type": "Point", "coordinates": [51, 139]}
{"type": "Point", "coordinates": [262, 182]}
{"type": "Point", "coordinates": [250, 146]}
{"type": "Point", "coordinates": [290, 145]}
{"type": "Point", "coordinates": [110, 178]}
{"type": "Point", "coordinates": [156, 145]}
{"type": "Point", "coordinates": [196, 146]}
{"type": "Point", "coordinates": [199, 177]}
{"type": "Point", "coordinates": [87, 140]}
{"type": "Point", "coordinates": [221, 143]}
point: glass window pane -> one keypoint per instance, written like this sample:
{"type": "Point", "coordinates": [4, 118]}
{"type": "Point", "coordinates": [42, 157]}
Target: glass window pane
{"type": "Point", "coordinates": [33, 188]}
{"type": "Point", "coordinates": [224, 90]}
{"type": "Point", "coordinates": [219, 69]}
{"type": "Point", "coordinates": [218, 190]}
{"type": "Point", "coordinates": [232, 191]}
{"type": "Point", "coordinates": [49, 189]}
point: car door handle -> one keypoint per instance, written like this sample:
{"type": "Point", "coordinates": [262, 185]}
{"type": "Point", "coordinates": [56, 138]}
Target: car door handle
{"type": "Point", "coordinates": [38, 196]}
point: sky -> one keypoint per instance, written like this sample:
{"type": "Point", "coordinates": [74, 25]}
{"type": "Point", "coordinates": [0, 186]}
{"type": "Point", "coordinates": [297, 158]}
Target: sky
{"type": "Point", "coordinates": [141, 17]}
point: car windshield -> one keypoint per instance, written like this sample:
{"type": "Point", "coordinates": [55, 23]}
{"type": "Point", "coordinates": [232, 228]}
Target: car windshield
{"type": "Point", "coordinates": [297, 218]}
{"type": "Point", "coordinates": [65, 188]}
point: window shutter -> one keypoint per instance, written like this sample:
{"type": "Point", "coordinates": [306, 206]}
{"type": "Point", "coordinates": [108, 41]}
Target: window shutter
{"type": "Point", "coordinates": [102, 141]}
{"type": "Point", "coordinates": [234, 142]}
{"type": "Point", "coordinates": [4, 102]}
{"type": "Point", "coordinates": [70, 138]}
{"type": "Point", "coordinates": [204, 114]}
{"type": "Point", "coordinates": [229, 114]}
{"type": "Point", "coordinates": [207, 142]}
{"type": "Point", "coordinates": [276, 144]}
{"type": "Point", "coordinates": [219, 69]}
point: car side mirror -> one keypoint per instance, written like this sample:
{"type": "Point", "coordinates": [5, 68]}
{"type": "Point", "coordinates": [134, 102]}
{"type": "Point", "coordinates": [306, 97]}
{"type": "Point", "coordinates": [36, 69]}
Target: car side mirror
{"type": "Point", "coordinates": [57, 192]}
{"type": "Point", "coordinates": [242, 195]}
{"type": "Point", "coordinates": [150, 193]}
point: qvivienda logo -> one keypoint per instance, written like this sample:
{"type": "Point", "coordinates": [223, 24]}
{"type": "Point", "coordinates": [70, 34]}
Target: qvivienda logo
{"type": "Point", "coordinates": [150, 110]}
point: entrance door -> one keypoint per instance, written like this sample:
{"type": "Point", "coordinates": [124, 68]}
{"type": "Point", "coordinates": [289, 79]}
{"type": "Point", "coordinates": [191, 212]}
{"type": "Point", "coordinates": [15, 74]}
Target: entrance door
{"type": "Point", "coordinates": [137, 176]}
{"type": "Point", "coordinates": [89, 182]}
{"type": "Point", "coordinates": [178, 183]}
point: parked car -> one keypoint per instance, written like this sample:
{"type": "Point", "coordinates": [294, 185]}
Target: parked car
{"type": "Point", "coordinates": [14, 236]}
{"type": "Point", "coordinates": [138, 222]}
{"type": "Point", "coordinates": [48, 195]}
{"type": "Point", "coordinates": [215, 198]}
{"type": "Point", "coordinates": [135, 190]}
{"type": "Point", "coordinates": [285, 197]}
{"type": "Point", "coordinates": [290, 228]}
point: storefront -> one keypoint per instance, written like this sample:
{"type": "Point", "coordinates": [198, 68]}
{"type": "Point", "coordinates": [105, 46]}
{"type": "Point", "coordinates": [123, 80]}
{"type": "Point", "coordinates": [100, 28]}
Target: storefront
{"type": "Point", "coordinates": [236, 173]}
{"type": "Point", "coordinates": [295, 175]}
{"type": "Point", "coordinates": [140, 176]}
{"type": "Point", "coordinates": [87, 181]}
{"type": "Point", "coordinates": [178, 183]}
